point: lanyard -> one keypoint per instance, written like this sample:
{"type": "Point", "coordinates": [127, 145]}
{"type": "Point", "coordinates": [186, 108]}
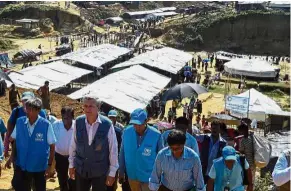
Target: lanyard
{"type": "Point", "coordinates": [228, 174]}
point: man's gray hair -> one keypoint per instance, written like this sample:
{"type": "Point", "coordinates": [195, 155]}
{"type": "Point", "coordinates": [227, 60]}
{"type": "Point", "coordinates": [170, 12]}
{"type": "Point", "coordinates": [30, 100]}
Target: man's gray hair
{"type": "Point", "coordinates": [97, 101]}
{"type": "Point", "coordinates": [34, 103]}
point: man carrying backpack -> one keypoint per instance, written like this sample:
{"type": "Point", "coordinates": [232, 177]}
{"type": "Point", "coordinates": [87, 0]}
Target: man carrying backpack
{"type": "Point", "coordinates": [229, 173]}
{"type": "Point", "coordinates": [210, 147]}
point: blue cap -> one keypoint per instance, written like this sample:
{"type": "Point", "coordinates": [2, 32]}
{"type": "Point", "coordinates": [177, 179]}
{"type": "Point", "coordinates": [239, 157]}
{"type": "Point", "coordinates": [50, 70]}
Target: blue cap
{"type": "Point", "coordinates": [229, 153]}
{"type": "Point", "coordinates": [27, 96]}
{"type": "Point", "coordinates": [138, 117]}
{"type": "Point", "coordinates": [112, 113]}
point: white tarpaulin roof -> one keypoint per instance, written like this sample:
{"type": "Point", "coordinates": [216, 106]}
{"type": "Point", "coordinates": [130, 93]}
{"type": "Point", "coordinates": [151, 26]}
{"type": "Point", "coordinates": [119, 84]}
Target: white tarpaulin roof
{"type": "Point", "coordinates": [167, 59]}
{"type": "Point", "coordinates": [259, 105]}
{"type": "Point", "coordinates": [250, 67]}
{"type": "Point", "coordinates": [171, 13]}
{"type": "Point", "coordinates": [127, 89]}
{"type": "Point", "coordinates": [57, 73]}
{"type": "Point", "coordinates": [97, 55]}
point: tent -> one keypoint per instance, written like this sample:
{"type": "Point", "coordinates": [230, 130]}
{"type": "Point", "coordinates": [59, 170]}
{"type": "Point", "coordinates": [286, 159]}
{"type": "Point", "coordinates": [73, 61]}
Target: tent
{"type": "Point", "coordinates": [57, 73]}
{"type": "Point", "coordinates": [251, 68]}
{"type": "Point", "coordinates": [259, 105]}
{"type": "Point", "coordinates": [166, 59]}
{"type": "Point", "coordinates": [127, 89]}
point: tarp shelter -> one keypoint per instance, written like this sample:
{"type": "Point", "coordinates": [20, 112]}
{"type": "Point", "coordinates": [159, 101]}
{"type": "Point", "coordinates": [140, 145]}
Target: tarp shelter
{"type": "Point", "coordinates": [97, 56]}
{"type": "Point", "coordinates": [259, 105]}
{"type": "Point", "coordinates": [166, 59]}
{"type": "Point", "coordinates": [57, 73]}
{"type": "Point", "coordinates": [250, 68]}
{"type": "Point", "coordinates": [139, 14]}
{"type": "Point", "coordinates": [126, 90]}
{"type": "Point", "coordinates": [114, 20]}
{"type": "Point", "coordinates": [4, 60]}
{"type": "Point", "coordinates": [165, 14]}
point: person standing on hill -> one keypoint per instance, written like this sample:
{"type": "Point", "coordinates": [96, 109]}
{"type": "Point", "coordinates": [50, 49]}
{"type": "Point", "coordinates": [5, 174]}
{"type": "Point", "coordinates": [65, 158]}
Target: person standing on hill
{"type": "Point", "coordinates": [13, 95]}
{"type": "Point", "coordinates": [44, 93]}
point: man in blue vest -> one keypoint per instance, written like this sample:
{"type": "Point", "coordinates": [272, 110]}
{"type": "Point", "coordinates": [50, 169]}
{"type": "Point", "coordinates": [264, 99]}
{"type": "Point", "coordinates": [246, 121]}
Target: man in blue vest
{"type": "Point", "coordinates": [35, 146]}
{"type": "Point", "coordinates": [15, 114]}
{"type": "Point", "coordinates": [93, 154]}
{"type": "Point", "coordinates": [182, 124]}
{"type": "Point", "coordinates": [211, 147]}
{"type": "Point", "coordinates": [138, 152]}
{"type": "Point", "coordinates": [1, 154]}
{"type": "Point", "coordinates": [227, 172]}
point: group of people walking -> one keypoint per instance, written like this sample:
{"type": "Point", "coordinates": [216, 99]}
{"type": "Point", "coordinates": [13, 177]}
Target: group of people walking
{"type": "Point", "coordinates": [93, 151]}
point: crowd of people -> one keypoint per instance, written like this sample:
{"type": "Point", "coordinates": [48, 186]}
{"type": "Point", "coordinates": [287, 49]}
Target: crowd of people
{"type": "Point", "coordinates": [96, 151]}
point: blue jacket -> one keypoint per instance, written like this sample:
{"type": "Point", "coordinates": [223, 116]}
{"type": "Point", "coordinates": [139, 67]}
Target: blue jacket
{"type": "Point", "coordinates": [139, 161]}
{"type": "Point", "coordinates": [32, 151]}
{"type": "Point", "coordinates": [236, 179]}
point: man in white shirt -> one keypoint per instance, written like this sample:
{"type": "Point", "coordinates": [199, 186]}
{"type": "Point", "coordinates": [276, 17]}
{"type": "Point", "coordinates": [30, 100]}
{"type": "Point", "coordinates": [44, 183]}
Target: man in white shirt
{"type": "Point", "coordinates": [64, 131]}
{"type": "Point", "coordinates": [282, 170]}
{"type": "Point", "coordinates": [93, 159]}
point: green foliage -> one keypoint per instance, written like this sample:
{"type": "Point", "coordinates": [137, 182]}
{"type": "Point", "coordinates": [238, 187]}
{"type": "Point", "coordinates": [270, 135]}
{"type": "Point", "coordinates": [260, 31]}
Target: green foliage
{"type": "Point", "coordinates": [6, 44]}
{"type": "Point", "coordinates": [264, 184]}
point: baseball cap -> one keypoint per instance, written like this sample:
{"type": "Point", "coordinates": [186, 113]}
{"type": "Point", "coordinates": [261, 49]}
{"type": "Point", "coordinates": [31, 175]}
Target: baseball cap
{"type": "Point", "coordinates": [138, 116]}
{"type": "Point", "coordinates": [229, 153]}
{"type": "Point", "coordinates": [112, 113]}
{"type": "Point", "coordinates": [27, 96]}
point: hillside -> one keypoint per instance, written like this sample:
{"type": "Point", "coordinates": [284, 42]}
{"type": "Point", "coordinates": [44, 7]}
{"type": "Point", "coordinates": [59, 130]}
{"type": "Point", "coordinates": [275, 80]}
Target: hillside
{"type": "Point", "coordinates": [253, 32]}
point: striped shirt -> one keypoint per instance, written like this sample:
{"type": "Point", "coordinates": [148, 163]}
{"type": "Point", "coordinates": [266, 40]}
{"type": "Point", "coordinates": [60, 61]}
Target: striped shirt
{"type": "Point", "coordinates": [247, 148]}
{"type": "Point", "coordinates": [177, 174]}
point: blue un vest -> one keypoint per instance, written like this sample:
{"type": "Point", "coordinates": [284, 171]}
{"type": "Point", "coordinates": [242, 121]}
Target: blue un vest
{"type": "Point", "coordinates": [219, 169]}
{"type": "Point", "coordinates": [32, 151]}
{"type": "Point", "coordinates": [139, 161]}
{"type": "Point", "coordinates": [92, 160]}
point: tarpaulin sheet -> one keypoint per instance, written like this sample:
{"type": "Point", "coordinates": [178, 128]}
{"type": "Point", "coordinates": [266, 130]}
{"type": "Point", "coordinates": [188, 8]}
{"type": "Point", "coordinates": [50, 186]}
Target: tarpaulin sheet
{"type": "Point", "coordinates": [97, 55]}
{"type": "Point", "coordinates": [167, 59]}
{"type": "Point", "coordinates": [259, 105]}
{"type": "Point", "coordinates": [250, 67]}
{"type": "Point", "coordinates": [57, 73]}
{"type": "Point", "coordinates": [127, 89]}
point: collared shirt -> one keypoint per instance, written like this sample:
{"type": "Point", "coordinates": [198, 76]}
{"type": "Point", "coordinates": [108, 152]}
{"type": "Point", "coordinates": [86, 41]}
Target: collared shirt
{"type": "Point", "coordinates": [177, 174]}
{"type": "Point", "coordinates": [63, 137]}
{"type": "Point", "coordinates": [213, 149]}
{"type": "Point", "coordinates": [91, 131]}
{"type": "Point", "coordinates": [235, 183]}
{"type": "Point", "coordinates": [190, 141]}
{"type": "Point", "coordinates": [281, 173]}
{"type": "Point", "coordinates": [52, 119]}
{"type": "Point", "coordinates": [139, 142]}
{"type": "Point", "coordinates": [51, 139]}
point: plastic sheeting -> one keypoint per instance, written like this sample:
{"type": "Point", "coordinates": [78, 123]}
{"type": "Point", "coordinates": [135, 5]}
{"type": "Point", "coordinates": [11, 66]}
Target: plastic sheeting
{"type": "Point", "coordinates": [167, 59]}
{"type": "Point", "coordinates": [250, 67]}
{"type": "Point", "coordinates": [57, 73]}
{"type": "Point", "coordinates": [126, 90]}
{"type": "Point", "coordinates": [259, 105]}
{"type": "Point", "coordinates": [97, 55]}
